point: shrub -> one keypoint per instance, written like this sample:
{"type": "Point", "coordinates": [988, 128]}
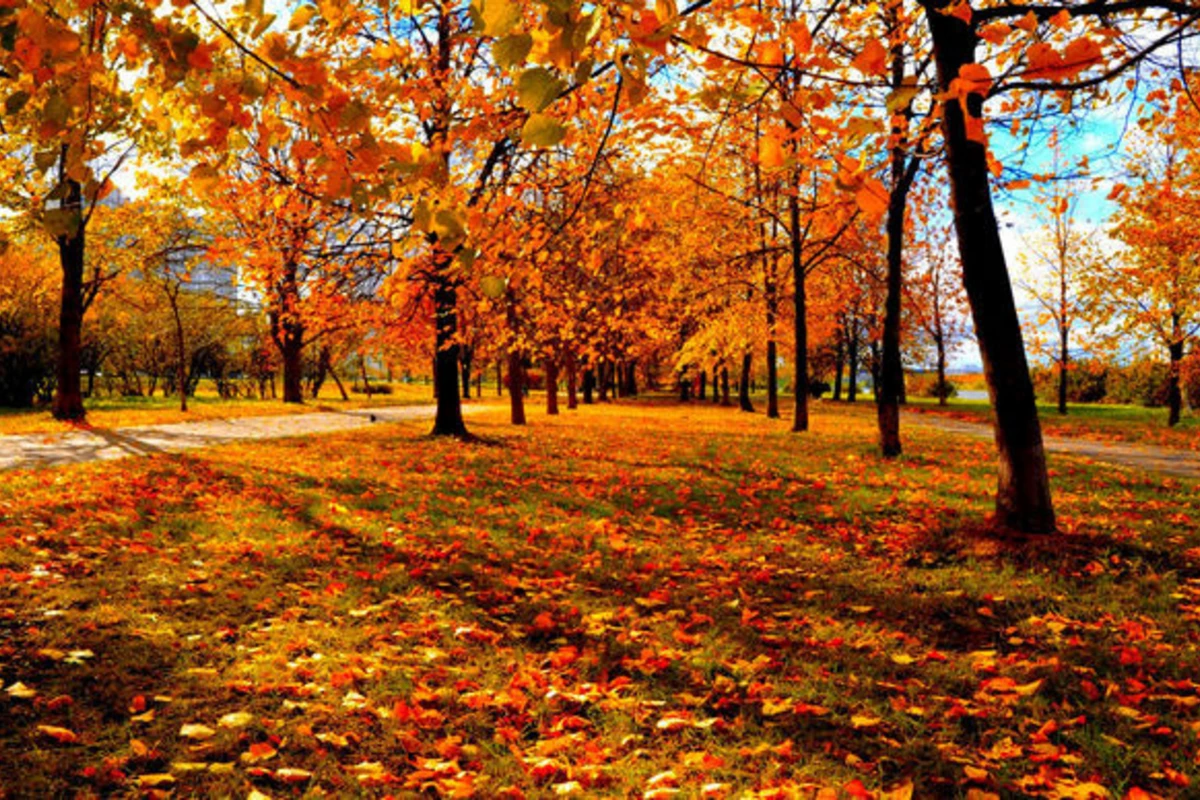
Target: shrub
{"type": "Point", "coordinates": [924, 384]}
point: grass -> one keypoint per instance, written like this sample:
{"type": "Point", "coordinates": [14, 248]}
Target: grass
{"type": "Point", "coordinates": [1096, 421]}
{"type": "Point", "coordinates": [622, 601]}
{"type": "Point", "coordinates": [121, 412]}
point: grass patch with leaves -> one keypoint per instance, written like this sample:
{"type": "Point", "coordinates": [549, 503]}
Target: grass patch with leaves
{"type": "Point", "coordinates": [628, 600]}
{"type": "Point", "coordinates": [1099, 422]}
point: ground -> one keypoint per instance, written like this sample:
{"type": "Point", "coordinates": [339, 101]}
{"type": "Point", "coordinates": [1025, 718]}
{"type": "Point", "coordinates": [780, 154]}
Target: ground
{"type": "Point", "coordinates": [622, 601]}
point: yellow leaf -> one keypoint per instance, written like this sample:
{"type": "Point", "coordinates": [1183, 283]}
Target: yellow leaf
{"type": "Point", "coordinates": [864, 721]}
{"type": "Point", "coordinates": [770, 152]}
{"type": "Point", "coordinates": [301, 17]}
{"type": "Point", "coordinates": [196, 732]}
{"type": "Point", "coordinates": [59, 734]}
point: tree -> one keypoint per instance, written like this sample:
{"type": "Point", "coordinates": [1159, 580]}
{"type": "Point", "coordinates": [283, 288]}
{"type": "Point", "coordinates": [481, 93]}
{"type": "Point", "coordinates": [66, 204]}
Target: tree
{"type": "Point", "coordinates": [1152, 288]}
{"type": "Point", "coordinates": [1062, 255]}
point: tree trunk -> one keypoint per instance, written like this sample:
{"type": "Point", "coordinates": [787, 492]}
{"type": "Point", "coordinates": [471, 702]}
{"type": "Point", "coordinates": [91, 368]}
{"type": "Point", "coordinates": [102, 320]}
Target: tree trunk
{"type": "Point", "coordinates": [772, 356]}
{"type": "Point", "coordinates": [800, 383]}
{"type": "Point", "coordinates": [516, 388]}
{"type": "Point", "coordinates": [744, 384]}
{"type": "Point", "coordinates": [589, 384]}
{"type": "Point", "coordinates": [448, 420]}
{"type": "Point", "coordinates": [338, 383]}
{"type": "Point", "coordinates": [725, 386]}
{"type": "Point", "coordinates": [941, 371]}
{"type": "Point", "coordinates": [572, 376]}
{"type": "Point", "coordinates": [631, 382]}
{"type": "Point", "coordinates": [685, 387]}
{"type": "Point", "coordinates": [702, 389]}
{"type": "Point", "coordinates": [839, 362]}
{"type": "Point", "coordinates": [465, 362]}
{"type": "Point", "coordinates": [180, 352]}
{"type": "Point", "coordinates": [499, 378]}
{"type": "Point", "coordinates": [852, 389]}
{"type": "Point", "coordinates": [604, 377]}
{"type": "Point", "coordinates": [292, 351]}
{"type": "Point", "coordinates": [551, 386]}
{"type": "Point", "coordinates": [1023, 499]}
{"type": "Point", "coordinates": [68, 392]}
{"type": "Point", "coordinates": [1174, 391]}
{"type": "Point", "coordinates": [1062, 370]}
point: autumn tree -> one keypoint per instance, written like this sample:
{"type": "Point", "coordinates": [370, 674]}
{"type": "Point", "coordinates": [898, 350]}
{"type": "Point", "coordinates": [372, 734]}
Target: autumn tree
{"type": "Point", "coordinates": [1151, 289]}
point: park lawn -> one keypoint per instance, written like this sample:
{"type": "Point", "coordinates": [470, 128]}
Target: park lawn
{"type": "Point", "coordinates": [1095, 421]}
{"type": "Point", "coordinates": [623, 601]}
{"type": "Point", "coordinates": [123, 412]}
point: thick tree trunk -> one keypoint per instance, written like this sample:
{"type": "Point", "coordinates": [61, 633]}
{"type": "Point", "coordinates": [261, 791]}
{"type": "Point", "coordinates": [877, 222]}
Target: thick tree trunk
{"type": "Point", "coordinates": [551, 386]}
{"type": "Point", "coordinates": [744, 383]}
{"type": "Point", "coordinates": [589, 384]}
{"type": "Point", "coordinates": [499, 378]}
{"type": "Point", "coordinates": [68, 392]}
{"type": "Point", "coordinates": [725, 386]}
{"type": "Point", "coordinates": [449, 419]}
{"type": "Point", "coordinates": [631, 382]}
{"type": "Point", "coordinates": [685, 387]}
{"type": "Point", "coordinates": [516, 388]}
{"type": "Point", "coordinates": [604, 379]}
{"type": "Point", "coordinates": [702, 389]}
{"type": "Point", "coordinates": [1023, 499]}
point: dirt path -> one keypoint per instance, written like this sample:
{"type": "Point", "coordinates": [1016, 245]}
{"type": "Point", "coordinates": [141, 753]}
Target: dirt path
{"type": "Point", "coordinates": [100, 444]}
{"type": "Point", "coordinates": [1172, 461]}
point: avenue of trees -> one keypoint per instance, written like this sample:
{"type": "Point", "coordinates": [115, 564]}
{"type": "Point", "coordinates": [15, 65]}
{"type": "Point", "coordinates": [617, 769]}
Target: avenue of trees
{"type": "Point", "coordinates": [591, 197]}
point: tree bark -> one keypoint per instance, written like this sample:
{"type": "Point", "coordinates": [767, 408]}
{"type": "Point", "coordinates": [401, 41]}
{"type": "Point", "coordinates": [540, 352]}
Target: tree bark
{"type": "Point", "coordinates": [449, 419]}
{"type": "Point", "coordinates": [1062, 370]}
{"type": "Point", "coordinates": [800, 383]}
{"type": "Point", "coordinates": [772, 303]}
{"type": "Point", "coordinates": [1023, 499]}
{"type": "Point", "coordinates": [631, 382]}
{"type": "Point", "coordinates": [516, 388]}
{"type": "Point", "coordinates": [68, 391]}
{"type": "Point", "coordinates": [852, 339]}
{"type": "Point", "coordinates": [572, 376]}
{"type": "Point", "coordinates": [839, 356]}
{"type": "Point", "coordinates": [551, 386]}
{"type": "Point", "coordinates": [744, 384]}
{"type": "Point", "coordinates": [725, 386]}
{"type": "Point", "coordinates": [465, 363]}
{"type": "Point", "coordinates": [589, 384]}
{"type": "Point", "coordinates": [1174, 390]}
{"type": "Point", "coordinates": [702, 389]}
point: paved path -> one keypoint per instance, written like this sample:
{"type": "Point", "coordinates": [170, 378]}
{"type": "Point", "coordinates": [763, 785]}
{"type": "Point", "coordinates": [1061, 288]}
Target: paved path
{"type": "Point", "coordinates": [100, 444]}
{"type": "Point", "coordinates": [1170, 460]}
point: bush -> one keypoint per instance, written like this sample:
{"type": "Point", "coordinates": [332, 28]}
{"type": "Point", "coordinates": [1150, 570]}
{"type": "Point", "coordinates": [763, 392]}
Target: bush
{"type": "Point", "coordinates": [1143, 382]}
{"type": "Point", "coordinates": [924, 384]}
{"type": "Point", "coordinates": [28, 331]}
{"type": "Point", "coordinates": [376, 388]}
{"type": "Point", "coordinates": [817, 387]}
{"type": "Point", "coordinates": [1087, 382]}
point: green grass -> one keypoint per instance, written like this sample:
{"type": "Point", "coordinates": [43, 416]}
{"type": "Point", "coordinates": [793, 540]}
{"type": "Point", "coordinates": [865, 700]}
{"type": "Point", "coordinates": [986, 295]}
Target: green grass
{"type": "Point", "coordinates": [589, 603]}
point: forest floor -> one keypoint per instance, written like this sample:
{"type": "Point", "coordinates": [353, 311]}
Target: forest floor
{"type": "Point", "coordinates": [634, 600]}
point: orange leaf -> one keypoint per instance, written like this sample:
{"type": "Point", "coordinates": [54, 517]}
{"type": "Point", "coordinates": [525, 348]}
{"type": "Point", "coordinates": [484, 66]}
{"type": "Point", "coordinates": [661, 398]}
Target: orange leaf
{"type": "Point", "coordinates": [800, 36]}
{"type": "Point", "coordinates": [872, 60]}
{"type": "Point", "coordinates": [995, 33]}
{"type": "Point", "coordinates": [1028, 23]}
{"type": "Point", "coordinates": [872, 197]}
{"type": "Point", "coordinates": [1062, 19]}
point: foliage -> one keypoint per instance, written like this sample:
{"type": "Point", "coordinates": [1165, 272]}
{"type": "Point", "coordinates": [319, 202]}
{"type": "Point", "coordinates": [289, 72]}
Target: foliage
{"type": "Point", "coordinates": [27, 305]}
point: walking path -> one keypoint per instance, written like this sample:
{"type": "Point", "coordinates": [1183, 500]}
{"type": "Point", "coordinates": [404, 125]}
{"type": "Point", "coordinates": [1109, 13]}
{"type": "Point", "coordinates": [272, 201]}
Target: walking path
{"type": "Point", "coordinates": [1169, 460]}
{"type": "Point", "coordinates": [100, 444]}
